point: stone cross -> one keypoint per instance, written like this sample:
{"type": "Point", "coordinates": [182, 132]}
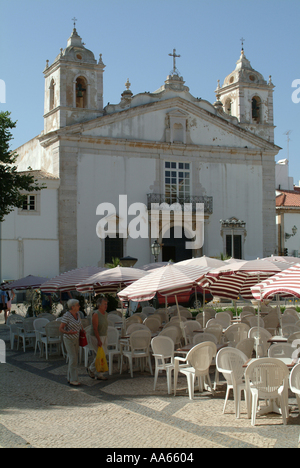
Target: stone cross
{"type": "Point", "coordinates": [74, 19]}
{"type": "Point", "coordinates": [242, 41]}
{"type": "Point", "coordinates": [174, 60]}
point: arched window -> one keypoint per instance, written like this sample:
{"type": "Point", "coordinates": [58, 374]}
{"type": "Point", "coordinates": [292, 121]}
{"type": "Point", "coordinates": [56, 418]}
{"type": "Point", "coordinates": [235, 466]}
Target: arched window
{"type": "Point", "coordinates": [81, 92]}
{"type": "Point", "coordinates": [51, 95]}
{"type": "Point", "coordinates": [228, 106]}
{"type": "Point", "coordinates": [256, 104]}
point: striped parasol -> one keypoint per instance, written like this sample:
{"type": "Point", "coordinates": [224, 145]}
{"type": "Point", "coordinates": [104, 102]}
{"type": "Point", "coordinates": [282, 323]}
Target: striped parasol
{"type": "Point", "coordinates": [168, 281]}
{"type": "Point", "coordinates": [203, 261]}
{"type": "Point", "coordinates": [285, 284]}
{"type": "Point", "coordinates": [236, 279]}
{"type": "Point", "coordinates": [67, 281]}
{"type": "Point", "coordinates": [111, 280]}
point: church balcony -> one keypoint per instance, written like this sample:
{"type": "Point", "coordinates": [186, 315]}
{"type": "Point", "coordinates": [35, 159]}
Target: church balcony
{"type": "Point", "coordinates": [160, 198]}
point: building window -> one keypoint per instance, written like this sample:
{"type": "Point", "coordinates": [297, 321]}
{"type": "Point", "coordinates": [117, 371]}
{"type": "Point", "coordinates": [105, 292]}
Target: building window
{"type": "Point", "coordinates": [236, 245]}
{"type": "Point", "coordinates": [113, 248]}
{"type": "Point", "coordinates": [177, 182]}
{"type": "Point", "coordinates": [29, 203]}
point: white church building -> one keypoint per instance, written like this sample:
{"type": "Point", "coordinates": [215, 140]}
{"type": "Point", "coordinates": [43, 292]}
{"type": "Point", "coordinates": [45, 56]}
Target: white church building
{"type": "Point", "coordinates": [162, 147]}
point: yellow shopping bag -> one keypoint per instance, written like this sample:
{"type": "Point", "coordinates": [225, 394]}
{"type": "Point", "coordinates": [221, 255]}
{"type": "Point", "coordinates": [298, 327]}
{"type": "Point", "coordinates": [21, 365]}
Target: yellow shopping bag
{"type": "Point", "coordinates": [101, 363]}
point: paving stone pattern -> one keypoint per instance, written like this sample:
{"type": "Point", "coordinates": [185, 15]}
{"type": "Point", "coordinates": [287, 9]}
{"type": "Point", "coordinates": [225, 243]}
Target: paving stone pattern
{"type": "Point", "coordinates": [38, 409]}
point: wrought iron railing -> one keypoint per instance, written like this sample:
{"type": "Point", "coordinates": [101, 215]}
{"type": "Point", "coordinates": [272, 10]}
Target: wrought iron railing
{"type": "Point", "coordinates": [160, 198]}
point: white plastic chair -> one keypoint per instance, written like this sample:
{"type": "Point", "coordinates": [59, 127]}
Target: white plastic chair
{"type": "Point", "coordinates": [133, 319]}
{"type": "Point", "coordinates": [53, 337]}
{"type": "Point", "coordinates": [203, 318]}
{"type": "Point", "coordinates": [152, 323]}
{"type": "Point", "coordinates": [281, 350]}
{"type": "Point", "coordinates": [27, 332]}
{"type": "Point", "coordinates": [215, 329]}
{"type": "Point", "coordinates": [176, 318]}
{"type": "Point", "coordinates": [248, 310]}
{"type": "Point", "coordinates": [224, 318]}
{"type": "Point", "coordinates": [236, 333]}
{"type": "Point", "coordinates": [46, 315]}
{"type": "Point", "coordinates": [164, 315]}
{"type": "Point", "coordinates": [288, 320]}
{"type": "Point", "coordinates": [267, 379]}
{"type": "Point", "coordinates": [252, 321]}
{"type": "Point", "coordinates": [203, 337]}
{"type": "Point", "coordinates": [148, 310]}
{"type": "Point", "coordinates": [229, 362]}
{"type": "Point", "coordinates": [210, 310]}
{"type": "Point", "coordinates": [185, 313]}
{"type": "Point", "coordinates": [139, 348]}
{"type": "Point", "coordinates": [14, 321]}
{"type": "Point", "coordinates": [114, 318]}
{"type": "Point", "coordinates": [136, 326]}
{"type": "Point", "coordinates": [288, 330]}
{"type": "Point", "coordinates": [271, 322]}
{"type": "Point", "coordinates": [190, 327]}
{"type": "Point", "coordinates": [89, 348]}
{"type": "Point", "coordinates": [293, 337]}
{"type": "Point", "coordinates": [228, 311]}
{"type": "Point", "coordinates": [261, 337]}
{"type": "Point", "coordinates": [246, 346]}
{"type": "Point", "coordinates": [295, 383]}
{"type": "Point", "coordinates": [39, 326]}
{"type": "Point", "coordinates": [173, 332]}
{"type": "Point", "coordinates": [196, 365]}
{"type": "Point", "coordinates": [116, 312]}
{"type": "Point", "coordinates": [112, 347]}
{"type": "Point", "coordinates": [292, 312]}
{"type": "Point", "coordinates": [163, 352]}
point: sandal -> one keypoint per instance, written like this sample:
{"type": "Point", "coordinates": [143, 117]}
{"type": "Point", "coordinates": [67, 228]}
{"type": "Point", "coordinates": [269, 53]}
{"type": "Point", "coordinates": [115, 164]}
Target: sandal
{"type": "Point", "coordinates": [90, 373]}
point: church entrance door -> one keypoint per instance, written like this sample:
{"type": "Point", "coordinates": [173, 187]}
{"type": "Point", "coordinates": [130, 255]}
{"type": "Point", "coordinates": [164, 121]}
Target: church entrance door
{"type": "Point", "coordinates": [174, 247]}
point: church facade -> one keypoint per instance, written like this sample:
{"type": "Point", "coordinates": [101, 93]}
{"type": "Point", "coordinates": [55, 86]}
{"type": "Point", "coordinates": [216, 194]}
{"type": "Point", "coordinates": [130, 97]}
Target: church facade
{"type": "Point", "coordinates": [165, 147]}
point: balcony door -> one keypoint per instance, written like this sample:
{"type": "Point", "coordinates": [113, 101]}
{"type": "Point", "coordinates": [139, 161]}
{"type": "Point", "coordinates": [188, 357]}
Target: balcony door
{"type": "Point", "coordinates": [177, 182]}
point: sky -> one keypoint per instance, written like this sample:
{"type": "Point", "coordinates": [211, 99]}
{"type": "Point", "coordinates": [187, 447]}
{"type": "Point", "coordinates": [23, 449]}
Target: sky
{"type": "Point", "coordinates": [135, 38]}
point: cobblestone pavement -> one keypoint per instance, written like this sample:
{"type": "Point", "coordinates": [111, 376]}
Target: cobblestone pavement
{"type": "Point", "coordinates": [38, 409]}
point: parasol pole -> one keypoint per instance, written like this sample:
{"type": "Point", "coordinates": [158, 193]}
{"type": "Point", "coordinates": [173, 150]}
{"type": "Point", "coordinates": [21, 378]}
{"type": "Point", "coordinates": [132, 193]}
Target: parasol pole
{"type": "Point", "coordinates": [258, 334]}
{"type": "Point", "coordinates": [279, 313]}
{"type": "Point", "coordinates": [180, 321]}
{"type": "Point", "coordinates": [258, 315]}
{"type": "Point", "coordinates": [166, 305]}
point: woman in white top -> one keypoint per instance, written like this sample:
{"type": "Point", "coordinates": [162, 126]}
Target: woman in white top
{"type": "Point", "coordinates": [70, 328]}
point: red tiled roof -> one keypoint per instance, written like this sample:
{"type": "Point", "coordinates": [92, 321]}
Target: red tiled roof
{"type": "Point", "coordinates": [288, 198]}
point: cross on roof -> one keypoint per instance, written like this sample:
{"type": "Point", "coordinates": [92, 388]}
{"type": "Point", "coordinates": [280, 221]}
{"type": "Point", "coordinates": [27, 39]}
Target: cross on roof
{"type": "Point", "coordinates": [74, 19]}
{"type": "Point", "coordinates": [174, 60]}
{"type": "Point", "coordinates": [242, 41]}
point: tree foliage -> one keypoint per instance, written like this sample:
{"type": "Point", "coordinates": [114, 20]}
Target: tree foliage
{"type": "Point", "coordinates": [12, 183]}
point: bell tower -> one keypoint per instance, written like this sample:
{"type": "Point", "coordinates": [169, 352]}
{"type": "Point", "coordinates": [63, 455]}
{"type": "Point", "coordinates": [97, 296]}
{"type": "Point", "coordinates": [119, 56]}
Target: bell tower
{"type": "Point", "coordinates": [246, 95]}
{"type": "Point", "coordinates": [73, 86]}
